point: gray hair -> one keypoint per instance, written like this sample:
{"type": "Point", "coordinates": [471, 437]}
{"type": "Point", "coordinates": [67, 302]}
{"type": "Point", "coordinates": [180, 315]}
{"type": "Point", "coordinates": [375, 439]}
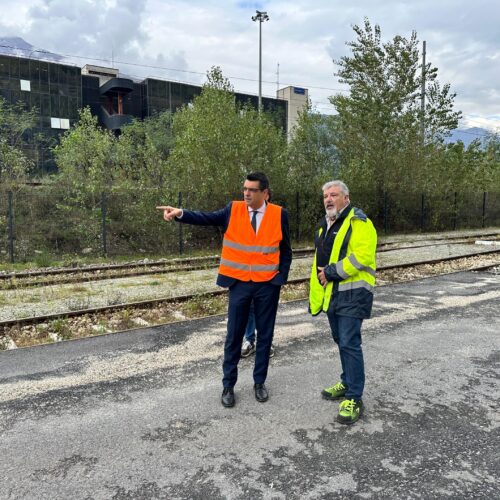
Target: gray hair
{"type": "Point", "coordinates": [339, 184]}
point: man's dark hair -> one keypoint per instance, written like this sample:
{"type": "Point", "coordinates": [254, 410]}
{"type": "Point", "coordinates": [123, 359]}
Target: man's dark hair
{"type": "Point", "coordinates": [261, 177]}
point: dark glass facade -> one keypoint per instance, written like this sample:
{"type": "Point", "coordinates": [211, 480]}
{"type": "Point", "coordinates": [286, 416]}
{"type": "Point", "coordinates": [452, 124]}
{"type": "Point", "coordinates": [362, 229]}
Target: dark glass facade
{"type": "Point", "coordinates": [54, 90]}
{"type": "Point", "coordinates": [58, 91]}
{"type": "Point", "coordinates": [161, 95]}
{"type": "Point", "coordinates": [90, 93]}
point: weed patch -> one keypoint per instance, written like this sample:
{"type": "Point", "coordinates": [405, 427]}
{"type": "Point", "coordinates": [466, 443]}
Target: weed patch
{"type": "Point", "coordinates": [204, 306]}
{"type": "Point", "coordinates": [61, 327]}
{"type": "Point", "coordinates": [125, 320]}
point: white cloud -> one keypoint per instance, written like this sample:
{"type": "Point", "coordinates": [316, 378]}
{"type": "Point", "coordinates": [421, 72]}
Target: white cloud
{"type": "Point", "coordinates": [491, 123]}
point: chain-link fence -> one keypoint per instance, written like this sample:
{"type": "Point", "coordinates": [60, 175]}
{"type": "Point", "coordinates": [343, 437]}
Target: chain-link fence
{"type": "Point", "coordinates": [39, 224]}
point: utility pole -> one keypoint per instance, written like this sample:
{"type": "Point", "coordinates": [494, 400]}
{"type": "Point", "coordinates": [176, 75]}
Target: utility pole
{"type": "Point", "coordinates": [261, 17]}
{"type": "Point", "coordinates": [422, 96]}
{"type": "Point", "coordinates": [278, 78]}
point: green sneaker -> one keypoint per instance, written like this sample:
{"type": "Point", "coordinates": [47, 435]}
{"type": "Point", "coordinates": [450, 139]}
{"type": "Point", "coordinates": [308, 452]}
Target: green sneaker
{"type": "Point", "coordinates": [335, 392]}
{"type": "Point", "coordinates": [350, 411]}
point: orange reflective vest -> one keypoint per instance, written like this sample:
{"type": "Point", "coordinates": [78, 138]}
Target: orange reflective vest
{"type": "Point", "coordinates": [247, 256]}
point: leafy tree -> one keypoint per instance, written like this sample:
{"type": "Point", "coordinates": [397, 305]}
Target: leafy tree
{"type": "Point", "coordinates": [143, 149]}
{"type": "Point", "coordinates": [312, 150]}
{"type": "Point", "coordinates": [380, 141]}
{"type": "Point", "coordinates": [312, 160]}
{"type": "Point", "coordinates": [144, 181]}
{"type": "Point", "coordinates": [217, 142]}
{"type": "Point", "coordinates": [86, 157]}
{"type": "Point", "coordinates": [491, 164]}
{"type": "Point", "coordinates": [15, 123]}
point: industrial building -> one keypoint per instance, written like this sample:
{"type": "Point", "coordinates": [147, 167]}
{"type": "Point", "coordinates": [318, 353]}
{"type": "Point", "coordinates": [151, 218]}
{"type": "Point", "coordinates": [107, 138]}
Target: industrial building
{"type": "Point", "coordinates": [59, 90]}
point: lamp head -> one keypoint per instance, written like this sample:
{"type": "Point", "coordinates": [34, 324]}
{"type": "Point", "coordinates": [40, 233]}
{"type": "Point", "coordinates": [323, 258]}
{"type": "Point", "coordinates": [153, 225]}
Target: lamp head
{"type": "Point", "coordinates": [260, 16]}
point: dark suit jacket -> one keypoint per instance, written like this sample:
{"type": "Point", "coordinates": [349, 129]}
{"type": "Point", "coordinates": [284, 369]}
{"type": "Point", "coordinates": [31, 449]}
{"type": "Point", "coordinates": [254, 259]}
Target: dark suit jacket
{"type": "Point", "coordinates": [221, 218]}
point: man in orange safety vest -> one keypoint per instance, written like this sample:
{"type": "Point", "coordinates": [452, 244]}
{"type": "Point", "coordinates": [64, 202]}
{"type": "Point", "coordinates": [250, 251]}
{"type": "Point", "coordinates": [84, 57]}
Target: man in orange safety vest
{"type": "Point", "coordinates": [255, 261]}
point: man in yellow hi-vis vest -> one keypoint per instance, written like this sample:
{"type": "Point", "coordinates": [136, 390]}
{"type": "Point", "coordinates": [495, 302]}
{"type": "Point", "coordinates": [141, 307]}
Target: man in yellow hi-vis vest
{"type": "Point", "coordinates": [342, 282]}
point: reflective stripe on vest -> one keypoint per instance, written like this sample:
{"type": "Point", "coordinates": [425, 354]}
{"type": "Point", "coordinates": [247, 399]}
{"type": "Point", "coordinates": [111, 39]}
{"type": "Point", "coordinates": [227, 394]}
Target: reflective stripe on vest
{"type": "Point", "coordinates": [250, 248]}
{"type": "Point", "coordinates": [353, 285]}
{"type": "Point", "coordinates": [339, 267]}
{"type": "Point", "coordinates": [247, 256]}
{"type": "Point", "coordinates": [249, 267]}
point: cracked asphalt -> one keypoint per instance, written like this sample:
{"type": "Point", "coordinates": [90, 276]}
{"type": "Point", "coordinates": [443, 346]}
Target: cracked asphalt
{"type": "Point", "coordinates": [137, 415]}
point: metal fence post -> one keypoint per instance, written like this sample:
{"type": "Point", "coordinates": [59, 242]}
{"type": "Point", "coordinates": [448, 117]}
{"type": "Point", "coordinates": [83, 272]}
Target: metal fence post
{"type": "Point", "coordinates": [297, 207]}
{"type": "Point", "coordinates": [104, 236]}
{"type": "Point", "coordinates": [386, 222]}
{"type": "Point", "coordinates": [181, 237]}
{"type": "Point", "coordinates": [10, 214]}
{"type": "Point", "coordinates": [422, 215]}
{"type": "Point", "coordinates": [485, 195]}
{"type": "Point", "coordinates": [455, 211]}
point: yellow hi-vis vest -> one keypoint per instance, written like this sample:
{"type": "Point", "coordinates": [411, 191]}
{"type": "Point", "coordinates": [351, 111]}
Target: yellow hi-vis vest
{"type": "Point", "coordinates": [357, 268]}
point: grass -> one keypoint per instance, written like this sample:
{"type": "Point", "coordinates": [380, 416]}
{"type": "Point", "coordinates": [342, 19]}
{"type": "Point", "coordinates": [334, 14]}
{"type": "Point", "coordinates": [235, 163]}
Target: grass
{"type": "Point", "coordinates": [294, 292]}
{"type": "Point", "coordinates": [125, 320]}
{"type": "Point", "coordinates": [41, 334]}
{"type": "Point", "coordinates": [69, 292]}
{"type": "Point", "coordinates": [44, 260]}
{"type": "Point", "coordinates": [61, 327]}
{"type": "Point", "coordinates": [203, 306]}
{"type": "Point", "coordinates": [36, 299]}
{"type": "Point", "coordinates": [70, 260]}
{"type": "Point", "coordinates": [101, 327]}
{"type": "Point", "coordinates": [78, 289]}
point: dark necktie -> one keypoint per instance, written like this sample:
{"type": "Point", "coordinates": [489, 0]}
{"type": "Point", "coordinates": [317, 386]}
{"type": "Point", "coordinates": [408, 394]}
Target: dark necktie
{"type": "Point", "coordinates": [254, 220]}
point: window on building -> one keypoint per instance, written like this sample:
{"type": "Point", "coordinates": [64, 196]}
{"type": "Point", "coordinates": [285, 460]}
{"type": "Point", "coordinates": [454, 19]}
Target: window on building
{"type": "Point", "coordinates": [4, 67]}
{"type": "Point", "coordinates": [65, 123]}
{"type": "Point", "coordinates": [26, 85]}
{"type": "Point", "coordinates": [24, 66]}
{"type": "Point", "coordinates": [55, 122]}
{"type": "Point", "coordinates": [14, 68]}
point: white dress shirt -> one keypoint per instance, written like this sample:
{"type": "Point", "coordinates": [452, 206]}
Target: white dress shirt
{"type": "Point", "coordinates": [260, 213]}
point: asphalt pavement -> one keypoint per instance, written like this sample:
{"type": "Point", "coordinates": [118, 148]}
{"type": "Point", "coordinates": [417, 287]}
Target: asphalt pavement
{"type": "Point", "coordinates": [138, 415]}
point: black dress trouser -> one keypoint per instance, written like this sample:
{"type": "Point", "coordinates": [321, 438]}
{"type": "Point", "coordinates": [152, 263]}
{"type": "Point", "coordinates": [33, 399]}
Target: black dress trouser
{"type": "Point", "coordinates": [265, 297]}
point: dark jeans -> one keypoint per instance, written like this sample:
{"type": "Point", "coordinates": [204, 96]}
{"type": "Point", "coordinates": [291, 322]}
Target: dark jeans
{"type": "Point", "coordinates": [250, 330]}
{"type": "Point", "coordinates": [346, 333]}
{"type": "Point", "coordinates": [265, 298]}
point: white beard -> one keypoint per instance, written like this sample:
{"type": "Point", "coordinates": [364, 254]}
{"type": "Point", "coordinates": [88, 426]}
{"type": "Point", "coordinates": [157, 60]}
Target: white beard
{"type": "Point", "coordinates": [332, 212]}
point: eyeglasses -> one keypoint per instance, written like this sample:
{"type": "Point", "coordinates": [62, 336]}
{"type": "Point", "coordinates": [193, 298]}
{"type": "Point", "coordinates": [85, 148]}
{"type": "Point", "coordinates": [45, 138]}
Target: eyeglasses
{"type": "Point", "coordinates": [251, 190]}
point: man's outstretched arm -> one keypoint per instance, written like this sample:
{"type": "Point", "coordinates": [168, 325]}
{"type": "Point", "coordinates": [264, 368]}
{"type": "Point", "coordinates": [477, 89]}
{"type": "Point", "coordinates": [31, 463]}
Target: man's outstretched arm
{"type": "Point", "coordinates": [217, 218]}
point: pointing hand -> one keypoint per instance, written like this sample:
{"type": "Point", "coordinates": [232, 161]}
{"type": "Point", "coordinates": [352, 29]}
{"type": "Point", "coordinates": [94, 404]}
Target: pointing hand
{"type": "Point", "coordinates": [169, 213]}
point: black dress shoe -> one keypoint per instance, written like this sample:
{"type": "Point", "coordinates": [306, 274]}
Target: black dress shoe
{"type": "Point", "coordinates": [261, 394]}
{"type": "Point", "coordinates": [227, 398]}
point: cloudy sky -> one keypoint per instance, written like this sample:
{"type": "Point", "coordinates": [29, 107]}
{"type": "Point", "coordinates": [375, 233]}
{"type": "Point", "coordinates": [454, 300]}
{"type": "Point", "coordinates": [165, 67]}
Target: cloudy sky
{"type": "Point", "coordinates": [182, 39]}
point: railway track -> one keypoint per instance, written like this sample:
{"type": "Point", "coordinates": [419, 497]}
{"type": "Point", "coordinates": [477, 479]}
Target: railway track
{"type": "Point", "coordinates": [80, 274]}
{"type": "Point", "coordinates": [145, 304]}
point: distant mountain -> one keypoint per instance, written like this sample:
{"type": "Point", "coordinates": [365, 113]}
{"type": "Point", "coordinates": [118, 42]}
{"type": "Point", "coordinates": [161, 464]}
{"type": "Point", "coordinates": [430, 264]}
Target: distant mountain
{"type": "Point", "coordinates": [16, 46]}
{"type": "Point", "coordinates": [467, 135]}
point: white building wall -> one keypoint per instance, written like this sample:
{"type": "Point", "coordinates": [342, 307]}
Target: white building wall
{"type": "Point", "coordinates": [297, 100]}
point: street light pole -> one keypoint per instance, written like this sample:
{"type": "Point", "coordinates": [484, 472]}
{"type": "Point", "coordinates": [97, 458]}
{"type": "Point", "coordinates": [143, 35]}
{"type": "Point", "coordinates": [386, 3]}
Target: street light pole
{"type": "Point", "coordinates": [261, 17]}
